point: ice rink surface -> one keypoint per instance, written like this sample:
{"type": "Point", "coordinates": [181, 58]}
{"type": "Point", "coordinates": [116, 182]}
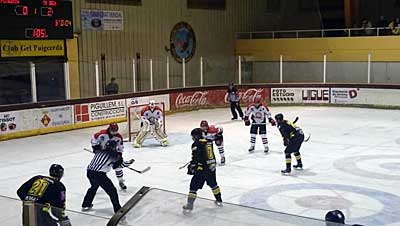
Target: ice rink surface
{"type": "Point", "coordinates": [351, 163]}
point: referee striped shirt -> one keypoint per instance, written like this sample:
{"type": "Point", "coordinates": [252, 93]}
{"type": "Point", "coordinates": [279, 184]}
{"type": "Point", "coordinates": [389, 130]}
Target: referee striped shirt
{"type": "Point", "coordinates": [102, 161]}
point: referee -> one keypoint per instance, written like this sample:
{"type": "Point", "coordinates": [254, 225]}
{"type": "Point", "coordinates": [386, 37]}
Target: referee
{"type": "Point", "coordinates": [97, 170]}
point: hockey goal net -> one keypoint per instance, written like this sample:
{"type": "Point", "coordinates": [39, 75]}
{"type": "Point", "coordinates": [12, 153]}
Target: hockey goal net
{"type": "Point", "coordinates": [135, 121]}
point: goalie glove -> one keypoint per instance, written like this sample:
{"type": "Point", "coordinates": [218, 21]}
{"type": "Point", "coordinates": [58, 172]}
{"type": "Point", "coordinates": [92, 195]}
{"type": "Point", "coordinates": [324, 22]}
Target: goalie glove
{"type": "Point", "coordinates": [272, 121]}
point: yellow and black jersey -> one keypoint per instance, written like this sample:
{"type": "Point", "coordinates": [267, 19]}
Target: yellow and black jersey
{"type": "Point", "coordinates": [289, 130]}
{"type": "Point", "coordinates": [45, 190]}
{"type": "Point", "coordinates": [203, 155]}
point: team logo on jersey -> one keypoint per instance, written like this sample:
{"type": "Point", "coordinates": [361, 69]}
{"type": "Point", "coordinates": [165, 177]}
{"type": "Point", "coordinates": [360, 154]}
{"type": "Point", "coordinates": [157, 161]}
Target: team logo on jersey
{"type": "Point", "coordinates": [182, 42]}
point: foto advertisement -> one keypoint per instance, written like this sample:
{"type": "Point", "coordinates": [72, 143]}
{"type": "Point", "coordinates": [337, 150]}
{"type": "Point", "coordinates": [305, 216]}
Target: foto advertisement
{"type": "Point", "coordinates": [299, 95]}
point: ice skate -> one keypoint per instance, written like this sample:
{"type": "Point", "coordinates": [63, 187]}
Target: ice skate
{"type": "Point", "coordinates": [298, 167]}
{"type": "Point", "coordinates": [164, 142]}
{"type": "Point", "coordinates": [266, 149]}
{"type": "Point", "coordinates": [87, 208]}
{"type": "Point", "coordinates": [285, 172]}
{"type": "Point", "coordinates": [223, 161]}
{"type": "Point", "coordinates": [187, 208]}
{"type": "Point", "coordinates": [136, 144]}
{"type": "Point", "coordinates": [122, 185]}
{"type": "Point", "coordinates": [251, 149]}
{"type": "Point", "coordinates": [218, 203]}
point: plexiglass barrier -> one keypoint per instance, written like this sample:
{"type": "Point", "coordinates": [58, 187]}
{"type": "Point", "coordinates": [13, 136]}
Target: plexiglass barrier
{"type": "Point", "coordinates": [160, 207]}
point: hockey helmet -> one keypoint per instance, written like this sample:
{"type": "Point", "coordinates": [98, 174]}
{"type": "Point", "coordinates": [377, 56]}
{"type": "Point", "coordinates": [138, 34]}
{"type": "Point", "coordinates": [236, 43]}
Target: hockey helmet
{"type": "Point", "coordinates": [56, 171]}
{"type": "Point", "coordinates": [196, 134]}
{"type": "Point", "coordinates": [204, 125]}
{"type": "Point", "coordinates": [335, 216]}
{"type": "Point", "coordinates": [152, 104]}
{"type": "Point", "coordinates": [258, 102]}
{"type": "Point", "coordinates": [111, 145]}
{"type": "Point", "coordinates": [113, 128]}
{"type": "Point", "coordinates": [279, 117]}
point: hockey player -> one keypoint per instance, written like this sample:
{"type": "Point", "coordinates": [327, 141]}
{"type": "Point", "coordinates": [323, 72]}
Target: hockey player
{"type": "Point", "coordinates": [293, 137]}
{"type": "Point", "coordinates": [202, 167]}
{"type": "Point", "coordinates": [152, 121]}
{"type": "Point", "coordinates": [102, 162]}
{"type": "Point", "coordinates": [214, 134]}
{"type": "Point", "coordinates": [258, 115]}
{"type": "Point", "coordinates": [98, 143]}
{"type": "Point", "coordinates": [49, 193]}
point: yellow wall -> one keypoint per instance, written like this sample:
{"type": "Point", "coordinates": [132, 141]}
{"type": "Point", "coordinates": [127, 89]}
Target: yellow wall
{"type": "Point", "coordinates": [385, 48]}
{"type": "Point", "coordinates": [72, 54]}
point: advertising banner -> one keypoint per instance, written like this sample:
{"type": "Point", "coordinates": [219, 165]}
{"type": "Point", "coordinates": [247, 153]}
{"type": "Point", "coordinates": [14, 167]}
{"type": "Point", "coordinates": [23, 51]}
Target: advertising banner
{"type": "Point", "coordinates": [215, 98]}
{"type": "Point", "coordinates": [344, 95]}
{"type": "Point", "coordinates": [100, 110]}
{"type": "Point", "coordinates": [145, 100]}
{"type": "Point", "coordinates": [102, 20]}
{"type": "Point", "coordinates": [54, 116]}
{"type": "Point", "coordinates": [299, 95]}
{"type": "Point", "coordinates": [9, 122]}
{"type": "Point", "coordinates": [378, 97]}
{"type": "Point", "coordinates": [27, 48]}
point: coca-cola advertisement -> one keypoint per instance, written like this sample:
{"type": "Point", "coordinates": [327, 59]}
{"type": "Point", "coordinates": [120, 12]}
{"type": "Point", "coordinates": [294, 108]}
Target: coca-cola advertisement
{"type": "Point", "coordinates": [215, 98]}
{"type": "Point", "coordinates": [251, 95]}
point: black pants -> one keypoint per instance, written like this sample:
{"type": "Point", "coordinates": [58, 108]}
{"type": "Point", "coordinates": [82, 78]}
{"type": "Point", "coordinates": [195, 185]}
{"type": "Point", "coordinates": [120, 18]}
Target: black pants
{"type": "Point", "coordinates": [100, 179]}
{"type": "Point", "coordinates": [295, 144]}
{"type": "Point", "coordinates": [258, 129]}
{"type": "Point", "coordinates": [236, 106]}
{"type": "Point", "coordinates": [199, 179]}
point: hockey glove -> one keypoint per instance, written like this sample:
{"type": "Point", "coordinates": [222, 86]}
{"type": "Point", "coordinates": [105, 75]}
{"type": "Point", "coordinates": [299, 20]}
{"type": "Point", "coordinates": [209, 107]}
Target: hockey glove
{"type": "Point", "coordinates": [96, 148]}
{"type": "Point", "coordinates": [286, 142]}
{"type": "Point", "coordinates": [191, 169]}
{"type": "Point", "coordinates": [65, 222]}
{"type": "Point", "coordinates": [117, 163]}
{"type": "Point", "coordinates": [272, 121]}
{"type": "Point", "coordinates": [246, 122]}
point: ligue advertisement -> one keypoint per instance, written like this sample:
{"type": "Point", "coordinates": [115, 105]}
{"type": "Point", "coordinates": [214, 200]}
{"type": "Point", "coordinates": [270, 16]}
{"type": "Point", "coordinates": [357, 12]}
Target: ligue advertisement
{"type": "Point", "coordinates": [299, 95]}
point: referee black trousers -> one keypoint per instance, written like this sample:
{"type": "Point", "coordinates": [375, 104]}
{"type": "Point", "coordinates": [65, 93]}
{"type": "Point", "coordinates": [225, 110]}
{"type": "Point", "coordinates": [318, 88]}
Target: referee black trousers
{"type": "Point", "coordinates": [100, 179]}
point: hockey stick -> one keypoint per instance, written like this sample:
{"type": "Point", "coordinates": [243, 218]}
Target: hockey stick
{"type": "Point", "coordinates": [296, 119]}
{"type": "Point", "coordinates": [181, 167]}
{"type": "Point", "coordinates": [137, 171]}
{"type": "Point", "coordinates": [308, 138]}
{"type": "Point", "coordinates": [140, 171]}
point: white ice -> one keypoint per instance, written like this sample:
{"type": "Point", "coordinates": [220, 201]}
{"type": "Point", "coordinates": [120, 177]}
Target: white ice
{"type": "Point", "coordinates": [351, 163]}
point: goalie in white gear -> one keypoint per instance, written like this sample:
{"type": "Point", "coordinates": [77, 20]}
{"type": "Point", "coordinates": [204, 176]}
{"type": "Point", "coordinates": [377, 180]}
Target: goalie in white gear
{"type": "Point", "coordinates": [152, 122]}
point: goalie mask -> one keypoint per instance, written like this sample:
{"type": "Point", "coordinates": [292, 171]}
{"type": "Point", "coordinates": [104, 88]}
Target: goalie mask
{"type": "Point", "coordinates": [152, 104]}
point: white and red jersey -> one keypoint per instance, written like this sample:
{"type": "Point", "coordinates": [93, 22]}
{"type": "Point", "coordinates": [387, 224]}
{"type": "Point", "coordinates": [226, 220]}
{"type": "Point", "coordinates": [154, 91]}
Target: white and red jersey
{"type": "Point", "coordinates": [258, 115]}
{"type": "Point", "coordinates": [152, 115]}
{"type": "Point", "coordinates": [212, 131]}
{"type": "Point", "coordinates": [101, 138]}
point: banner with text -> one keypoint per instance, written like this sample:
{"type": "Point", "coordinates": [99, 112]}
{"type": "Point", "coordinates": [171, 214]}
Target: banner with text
{"type": "Point", "coordinates": [100, 110]}
{"type": "Point", "coordinates": [103, 20]}
{"type": "Point", "coordinates": [299, 95]}
{"type": "Point", "coordinates": [378, 97]}
{"type": "Point", "coordinates": [215, 98]}
{"type": "Point", "coordinates": [146, 99]}
{"type": "Point", "coordinates": [24, 120]}
{"type": "Point", "coordinates": [27, 48]}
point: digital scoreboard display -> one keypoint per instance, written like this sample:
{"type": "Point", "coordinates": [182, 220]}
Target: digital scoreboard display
{"type": "Point", "coordinates": [35, 19]}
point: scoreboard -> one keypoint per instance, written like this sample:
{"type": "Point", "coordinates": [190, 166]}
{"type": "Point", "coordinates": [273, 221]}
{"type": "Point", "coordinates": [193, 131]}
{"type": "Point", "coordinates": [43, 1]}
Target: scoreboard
{"type": "Point", "coordinates": [36, 19]}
